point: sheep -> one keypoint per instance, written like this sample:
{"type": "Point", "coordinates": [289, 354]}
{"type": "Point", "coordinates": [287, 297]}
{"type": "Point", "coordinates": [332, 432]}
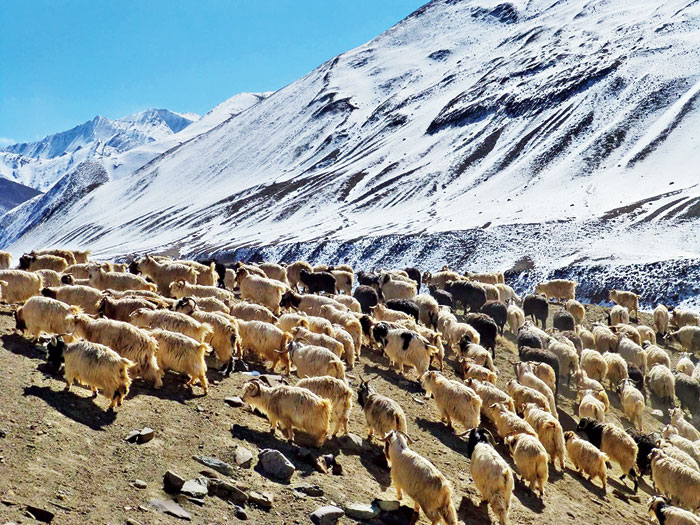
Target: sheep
{"type": "Point", "coordinates": [165, 273]}
{"type": "Point", "coordinates": [632, 401]}
{"type": "Point", "coordinates": [530, 458]}
{"type": "Point", "coordinates": [526, 377]}
{"type": "Point", "coordinates": [442, 297]}
{"type": "Point", "coordinates": [367, 297]}
{"type": "Point", "coordinates": [343, 280]}
{"type": "Point", "coordinates": [224, 338]}
{"type": "Point", "coordinates": [5, 260]}
{"type": "Point", "coordinates": [275, 271]}
{"type": "Point", "coordinates": [260, 290]}
{"type": "Point", "coordinates": [469, 295]}
{"type": "Point", "coordinates": [656, 355]}
{"type": "Point", "coordinates": [586, 336]}
{"type": "Point", "coordinates": [672, 451]}
{"type": "Point", "coordinates": [675, 480]}
{"type": "Point", "coordinates": [559, 289]}
{"type": "Point", "coordinates": [293, 407]}
{"type": "Point", "coordinates": [121, 309]}
{"type": "Point", "coordinates": [454, 400]}
{"type": "Point", "coordinates": [646, 334]}
{"type": "Point", "coordinates": [665, 514]}
{"type": "Point", "coordinates": [492, 293]}
{"type": "Point", "coordinates": [68, 255]}
{"type": "Point", "coordinates": [687, 336]}
{"type": "Point", "coordinates": [206, 273]}
{"type": "Point", "coordinates": [314, 361]}
{"type": "Point", "coordinates": [266, 340]}
{"type": "Point", "coordinates": [341, 335]}
{"type": "Point", "coordinates": [530, 336]}
{"type": "Point", "coordinates": [632, 353]}
{"type": "Point", "coordinates": [576, 309]}
{"type": "Point", "coordinates": [522, 394]}
{"type": "Point", "coordinates": [320, 325]}
{"type": "Point", "coordinates": [93, 365]}
{"type": "Point", "coordinates": [491, 474]}
{"type": "Point", "coordinates": [316, 282]}
{"type": "Point", "coordinates": [179, 289]}
{"type": "Point", "coordinates": [346, 320]}
{"type": "Point", "coordinates": [460, 334]}
{"type": "Point", "coordinates": [383, 313]}
{"type": "Point", "coordinates": [485, 277]}
{"type": "Point", "coordinates": [127, 340]}
{"type": "Point", "coordinates": [479, 355]}
{"type": "Point", "coordinates": [182, 354]}
{"type": "Point", "coordinates": [628, 331]}
{"type": "Point", "coordinates": [428, 309]}
{"type": "Point", "coordinates": [469, 369]}
{"type": "Point", "coordinates": [661, 319]}
{"type": "Point", "coordinates": [563, 321]}
{"type": "Point", "coordinates": [382, 414]}
{"type": "Point", "coordinates": [252, 312]}
{"type": "Point", "coordinates": [173, 321]}
{"type": "Point", "coordinates": [302, 334]}
{"type": "Point", "coordinates": [661, 382]}
{"type": "Point", "coordinates": [671, 434]}
{"type": "Point", "coordinates": [540, 355]}
{"type": "Point", "coordinates": [293, 270]}
{"type": "Point", "coordinates": [605, 339]}
{"type": "Point", "coordinates": [391, 288]}
{"type": "Point", "coordinates": [549, 432]}
{"type": "Point", "coordinates": [352, 304]}
{"type": "Point", "coordinates": [685, 365]}
{"type": "Point", "coordinates": [618, 315]}
{"type": "Point", "coordinates": [568, 358]}
{"type": "Point", "coordinates": [627, 299]}
{"type": "Point", "coordinates": [406, 306]}
{"type": "Point", "coordinates": [487, 329]}
{"type": "Point", "coordinates": [637, 378]}
{"type": "Point", "coordinates": [19, 285]}
{"type": "Point", "coordinates": [594, 364]}
{"type": "Point", "coordinates": [586, 458]}
{"type": "Point", "coordinates": [516, 318]}
{"type": "Point", "coordinates": [82, 270]}
{"type": "Point", "coordinates": [508, 295]}
{"type": "Point", "coordinates": [308, 303]}
{"type": "Point", "coordinates": [498, 311]}
{"type": "Point", "coordinates": [440, 279]}
{"type": "Point", "coordinates": [405, 348]}
{"type": "Point", "coordinates": [49, 278]}
{"type": "Point", "coordinates": [583, 382]}
{"type": "Point", "coordinates": [335, 391]}
{"type": "Point", "coordinates": [688, 392]}
{"type": "Point", "coordinates": [615, 442]}
{"type": "Point", "coordinates": [32, 263]}
{"type": "Point", "coordinates": [85, 297]}
{"type": "Point", "coordinates": [424, 483]}
{"type": "Point", "coordinates": [685, 429]}
{"type": "Point", "coordinates": [537, 307]}
{"type": "Point", "coordinates": [680, 318]}
{"type": "Point", "coordinates": [43, 314]}
{"type": "Point", "coordinates": [102, 280]}
{"type": "Point", "coordinates": [590, 406]}
{"type": "Point", "coordinates": [545, 373]}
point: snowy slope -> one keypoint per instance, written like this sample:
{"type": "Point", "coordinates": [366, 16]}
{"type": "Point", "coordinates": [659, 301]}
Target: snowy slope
{"type": "Point", "coordinates": [561, 129]}
{"type": "Point", "coordinates": [13, 194]}
{"type": "Point", "coordinates": [40, 164]}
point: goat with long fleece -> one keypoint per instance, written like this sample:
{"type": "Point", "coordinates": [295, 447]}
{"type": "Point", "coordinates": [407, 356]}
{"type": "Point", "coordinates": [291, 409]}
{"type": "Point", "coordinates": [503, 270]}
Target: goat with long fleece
{"type": "Point", "coordinates": [172, 321]}
{"type": "Point", "coordinates": [421, 480]}
{"type": "Point", "coordinates": [42, 314]}
{"type": "Point", "coordinates": [382, 414]}
{"type": "Point", "coordinates": [165, 273]}
{"type": "Point", "coordinates": [261, 290]}
{"type": "Point", "coordinates": [335, 391]}
{"type": "Point", "coordinates": [666, 514]}
{"type": "Point", "coordinates": [314, 361]}
{"type": "Point", "coordinates": [292, 407]}
{"type": "Point", "coordinates": [453, 399]}
{"type": "Point", "coordinates": [19, 285]}
{"type": "Point", "coordinates": [182, 354]}
{"type": "Point", "coordinates": [93, 365]}
{"type": "Point", "coordinates": [118, 281]}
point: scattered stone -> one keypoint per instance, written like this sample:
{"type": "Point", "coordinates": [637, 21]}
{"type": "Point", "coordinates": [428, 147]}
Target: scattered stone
{"type": "Point", "coordinates": [220, 466]}
{"type": "Point", "coordinates": [274, 463]}
{"type": "Point", "coordinates": [242, 456]}
{"type": "Point", "coordinates": [139, 484]}
{"type": "Point", "coordinates": [172, 482]}
{"type": "Point", "coordinates": [351, 443]}
{"type": "Point", "coordinates": [195, 488]}
{"type": "Point", "coordinates": [362, 511]}
{"type": "Point", "coordinates": [199, 408]}
{"type": "Point", "coordinates": [234, 401]}
{"type": "Point", "coordinates": [310, 490]}
{"type": "Point", "coordinates": [263, 500]}
{"type": "Point", "coordinates": [196, 501]}
{"type": "Point", "coordinates": [146, 435]}
{"type": "Point", "coordinates": [171, 508]}
{"type": "Point", "coordinates": [40, 514]}
{"type": "Point", "coordinates": [328, 515]}
{"type": "Point", "coordinates": [227, 491]}
{"type": "Point", "coordinates": [241, 514]}
{"type": "Point", "coordinates": [132, 436]}
{"type": "Point", "coordinates": [130, 521]}
{"type": "Point", "coordinates": [387, 505]}
{"type": "Point", "coordinates": [3, 432]}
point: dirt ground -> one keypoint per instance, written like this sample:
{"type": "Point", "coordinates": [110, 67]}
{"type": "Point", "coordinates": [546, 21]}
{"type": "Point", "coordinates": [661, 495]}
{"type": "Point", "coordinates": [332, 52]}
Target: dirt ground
{"type": "Point", "coordinates": [65, 453]}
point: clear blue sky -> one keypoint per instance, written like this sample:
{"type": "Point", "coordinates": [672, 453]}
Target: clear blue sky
{"type": "Point", "coordinates": [64, 61]}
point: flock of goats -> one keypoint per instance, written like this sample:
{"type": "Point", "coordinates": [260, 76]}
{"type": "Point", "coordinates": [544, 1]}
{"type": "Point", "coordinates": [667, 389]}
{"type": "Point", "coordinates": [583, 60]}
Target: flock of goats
{"type": "Point", "coordinates": [109, 323]}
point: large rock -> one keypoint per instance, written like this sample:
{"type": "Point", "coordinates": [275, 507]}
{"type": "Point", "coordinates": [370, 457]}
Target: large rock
{"type": "Point", "coordinates": [361, 511]}
{"type": "Point", "coordinates": [328, 515]}
{"type": "Point", "coordinates": [220, 466]}
{"type": "Point", "coordinates": [351, 444]}
{"type": "Point", "coordinates": [227, 491]}
{"type": "Point", "coordinates": [146, 435]}
{"type": "Point", "coordinates": [172, 482]}
{"type": "Point", "coordinates": [242, 456]}
{"type": "Point", "coordinates": [197, 488]}
{"type": "Point", "coordinates": [274, 463]}
{"type": "Point", "coordinates": [263, 500]}
{"type": "Point", "coordinates": [171, 508]}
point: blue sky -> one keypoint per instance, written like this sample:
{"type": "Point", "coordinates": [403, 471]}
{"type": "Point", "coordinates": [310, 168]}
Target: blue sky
{"type": "Point", "coordinates": [64, 61]}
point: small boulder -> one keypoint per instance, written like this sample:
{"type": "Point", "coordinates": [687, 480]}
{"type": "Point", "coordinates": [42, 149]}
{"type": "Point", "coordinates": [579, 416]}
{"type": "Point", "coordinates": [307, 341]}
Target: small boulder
{"type": "Point", "coordinates": [274, 463]}
{"type": "Point", "coordinates": [139, 484]}
{"type": "Point", "coordinates": [362, 511]}
{"type": "Point", "coordinates": [234, 401]}
{"type": "Point", "coordinates": [220, 466]}
{"type": "Point", "coordinates": [172, 482]}
{"type": "Point", "coordinates": [196, 488]}
{"type": "Point", "coordinates": [328, 515]}
{"type": "Point", "coordinates": [132, 436]}
{"type": "Point", "coordinates": [146, 435]}
{"type": "Point", "coordinates": [242, 456]}
{"type": "Point", "coordinates": [171, 508]}
{"type": "Point", "coordinates": [387, 505]}
{"type": "Point", "coordinates": [310, 490]}
{"type": "Point", "coordinates": [351, 444]}
{"type": "Point", "coordinates": [263, 500]}
{"type": "Point", "coordinates": [227, 491]}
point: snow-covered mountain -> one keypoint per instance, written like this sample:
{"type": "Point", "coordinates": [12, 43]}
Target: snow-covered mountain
{"type": "Point", "coordinates": [561, 130]}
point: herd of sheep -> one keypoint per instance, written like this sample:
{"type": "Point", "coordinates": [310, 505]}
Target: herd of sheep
{"type": "Point", "coordinates": [109, 323]}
